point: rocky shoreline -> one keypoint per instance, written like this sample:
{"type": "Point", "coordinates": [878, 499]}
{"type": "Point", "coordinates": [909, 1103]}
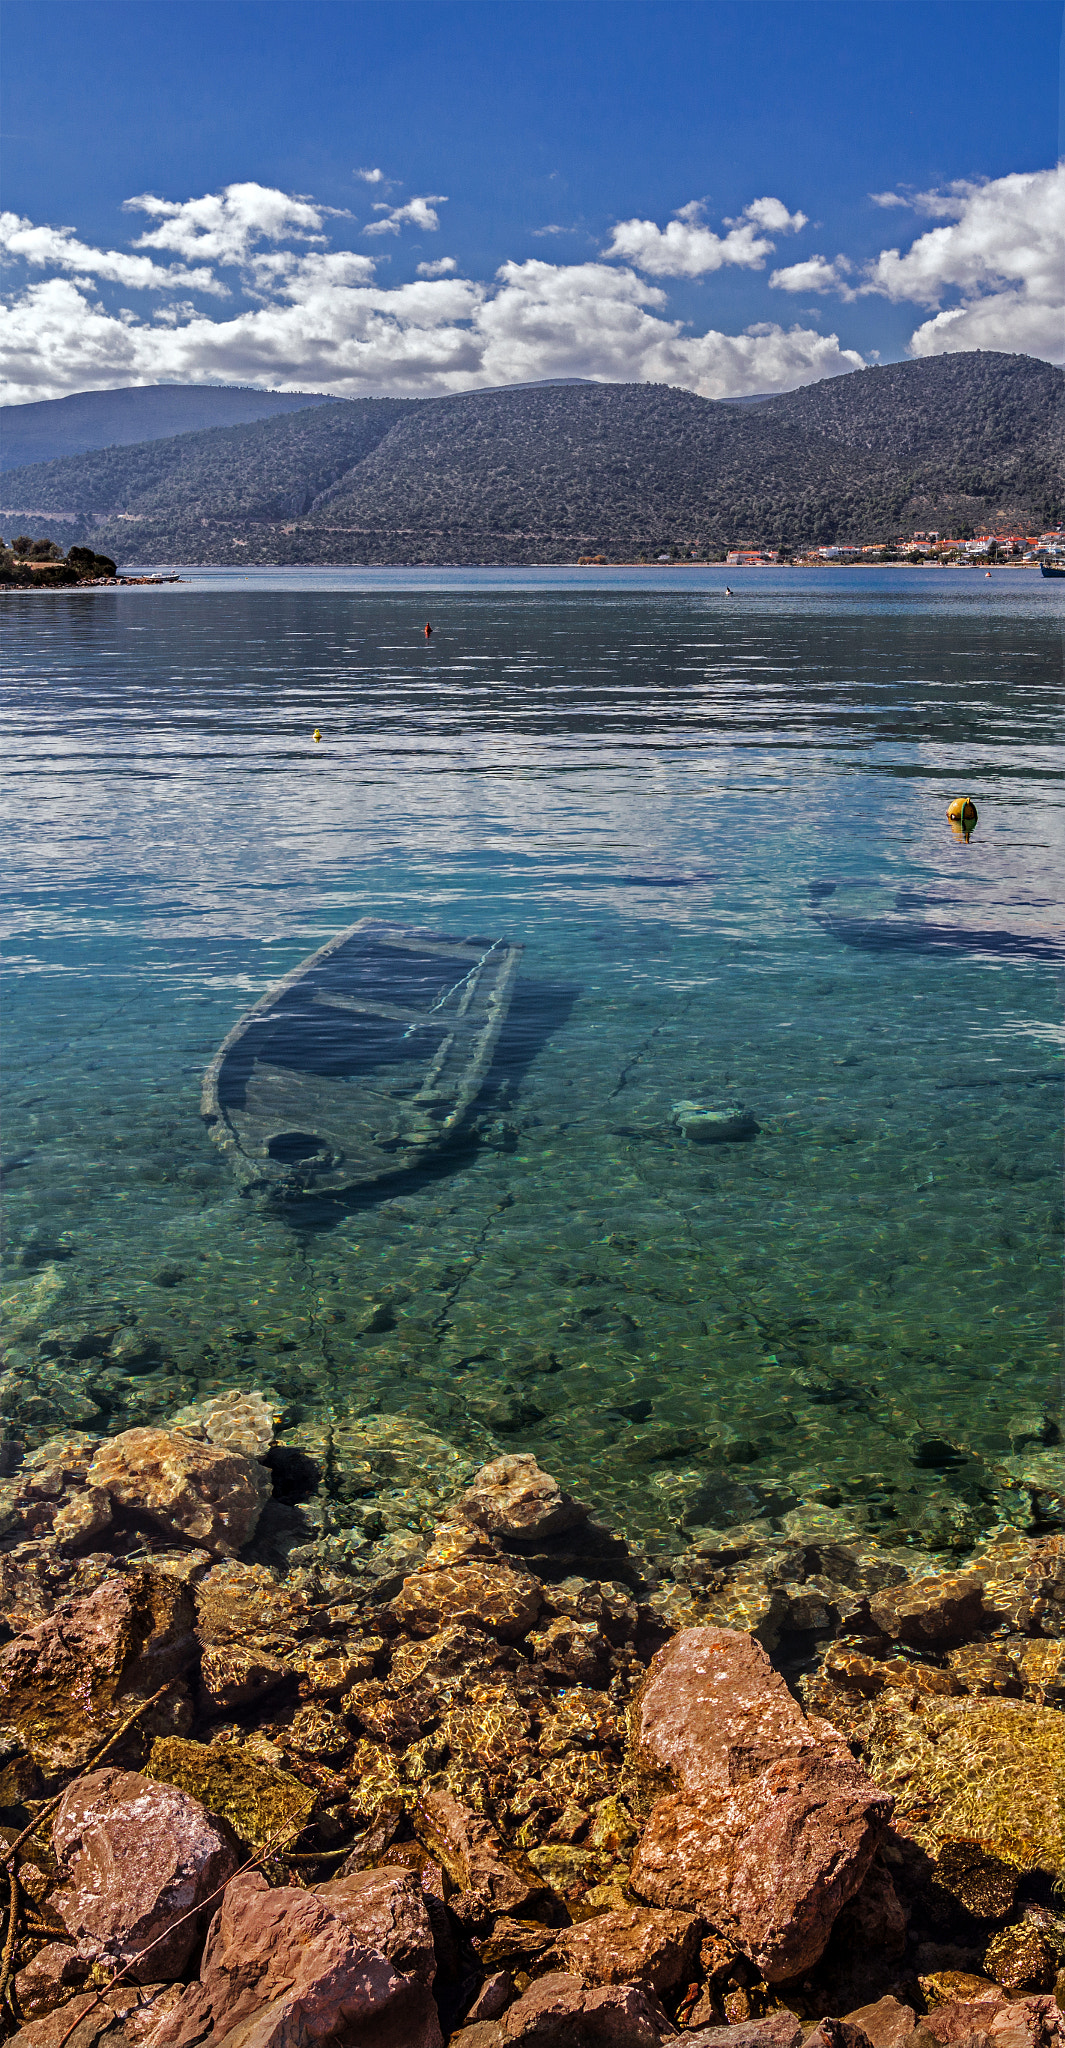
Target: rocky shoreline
{"type": "Point", "coordinates": [473, 1768]}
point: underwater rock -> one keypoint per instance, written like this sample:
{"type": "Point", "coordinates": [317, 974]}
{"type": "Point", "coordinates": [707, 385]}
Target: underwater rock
{"type": "Point", "coordinates": [285, 1967]}
{"type": "Point", "coordinates": [490, 1879]}
{"type": "Point", "coordinates": [773, 1825]}
{"type": "Point", "coordinates": [976, 1768]}
{"type": "Point", "coordinates": [512, 1498]}
{"type": "Point", "coordinates": [483, 1594]}
{"type": "Point", "coordinates": [236, 1675]}
{"type": "Point", "coordinates": [933, 1613]}
{"type": "Point", "coordinates": [259, 1802]}
{"type": "Point", "coordinates": [237, 1420]}
{"type": "Point", "coordinates": [136, 1858]}
{"type": "Point", "coordinates": [634, 1946]}
{"type": "Point", "coordinates": [198, 1491]}
{"type": "Point", "coordinates": [703, 1124]}
{"type": "Point", "coordinates": [235, 1602]}
{"type": "Point", "coordinates": [69, 1681]}
{"type": "Point", "coordinates": [1020, 1960]}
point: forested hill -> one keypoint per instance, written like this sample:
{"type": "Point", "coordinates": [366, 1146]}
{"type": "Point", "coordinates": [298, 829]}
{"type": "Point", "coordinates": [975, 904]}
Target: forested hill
{"type": "Point", "coordinates": [546, 472]}
{"type": "Point", "coordinates": [53, 427]}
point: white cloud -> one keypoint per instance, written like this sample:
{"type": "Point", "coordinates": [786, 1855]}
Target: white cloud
{"type": "Point", "coordinates": [374, 177]}
{"type": "Point", "coordinates": [223, 227]}
{"type": "Point", "coordinates": [1000, 251]}
{"type": "Point", "coordinates": [814, 274]}
{"type": "Point", "coordinates": [59, 249]}
{"type": "Point", "coordinates": [688, 248]}
{"type": "Point", "coordinates": [418, 213]}
{"type": "Point", "coordinates": [443, 267]}
{"type": "Point", "coordinates": [321, 321]}
{"type": "Point", "coordinates": [888, 199]}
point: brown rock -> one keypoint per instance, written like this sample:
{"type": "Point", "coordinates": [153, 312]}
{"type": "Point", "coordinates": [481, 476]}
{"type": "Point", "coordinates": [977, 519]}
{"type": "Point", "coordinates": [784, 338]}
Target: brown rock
{"type": "Point", "coordinates": [233, 1675]}
{"type": "Point", "coordinates": [138, 1858]}
{"type": "Point", "coordinates": [67, 1683]}
{"type": "Point", "coordinates": [1029, 2023]}
{"type": "Point", "coordinates": [558, 2011]}
{"type": "Point", "coordinates": [486, 1595]}
{"type": "Point", "coordinates": [84, 1516]}
{"type": "Point", "coordinates": [571, 1650]}
{"type": "Point", "coordinates": [493, 1998]}
{"type": "Point", "coordinates": [933, 1613]}
{"type": "Point", "coordinates": [711, 1710]}
{"type": "Point", "coordinates": [235, 1602]}
{"type": "Point", "coordinates": [385, 1909]}
{"type": "Point", "coordinates": [199, 1491]}
{"type": "Point", "coordinates": [774, 1825]}
{"type": "Point", "coordinates": [959, 2003]}
{"type": "Point", "coordinates": [286, 1967]}
{"type": "Point", "coordinates": [777, 2030]}
{"type": "Point", "coordinates": [512, 1497]}
{"type": "Point", "coordinates": [885, 2024]}
{"type": "Point", "coordinates": [516, 1943]}
{"type": "Point", "coordinates": [830, 2033]}
{"type": "Point", "coordinates": [875, 1917]}
{"type": "Point", "coordinates": [452, 1653]}
{"type": "Point", "coordinates": [635, 1946]}
{"type": "Point", "coordinates": [490, 1880]}
{"type": "Point", "coordinates": [49, 1978]}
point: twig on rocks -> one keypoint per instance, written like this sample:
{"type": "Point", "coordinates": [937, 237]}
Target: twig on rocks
{"type": "Point", "coordinates": [266, 1850]}
{"type": "Point", "coordinates": [12, 1936]}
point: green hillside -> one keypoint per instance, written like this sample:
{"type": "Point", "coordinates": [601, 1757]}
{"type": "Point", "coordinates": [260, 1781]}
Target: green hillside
{"type": "Point", "coordinates": [545, 472]}
{"type": "Point", "coordinates": [49, 428]}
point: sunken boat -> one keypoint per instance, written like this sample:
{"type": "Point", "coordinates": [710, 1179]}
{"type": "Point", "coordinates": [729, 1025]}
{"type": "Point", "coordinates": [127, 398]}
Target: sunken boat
{"type": "Point", "coordinates": [362, 1063]}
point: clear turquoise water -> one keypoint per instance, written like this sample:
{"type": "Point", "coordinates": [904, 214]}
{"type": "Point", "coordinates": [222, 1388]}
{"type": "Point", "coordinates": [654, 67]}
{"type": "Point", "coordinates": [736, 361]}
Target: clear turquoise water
{"type": "Point", "coordinates": [851, 1320]}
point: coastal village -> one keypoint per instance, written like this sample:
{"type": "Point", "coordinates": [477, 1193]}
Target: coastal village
{"type": "Point", "coordinates": [931, 547]}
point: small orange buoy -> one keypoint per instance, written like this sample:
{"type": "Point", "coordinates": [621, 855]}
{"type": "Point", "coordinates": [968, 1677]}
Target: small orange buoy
{"type": "Point", "coordinates": [428, 630]}
{"type": "Point", "coordinates": [317, 735]}
{"type": "Point", "coordinates": [963, 812]}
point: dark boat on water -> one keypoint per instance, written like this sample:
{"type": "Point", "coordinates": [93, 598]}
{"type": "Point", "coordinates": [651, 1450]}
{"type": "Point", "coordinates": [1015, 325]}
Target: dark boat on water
{"type": "Point", "coordinates": [361, 1063]}
{"type": "Point", "coordinates": [1052, 568]}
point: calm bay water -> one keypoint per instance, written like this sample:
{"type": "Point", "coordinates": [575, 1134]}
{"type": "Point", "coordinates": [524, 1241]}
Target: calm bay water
{"type": "Point", "coordinates": [718, 827]}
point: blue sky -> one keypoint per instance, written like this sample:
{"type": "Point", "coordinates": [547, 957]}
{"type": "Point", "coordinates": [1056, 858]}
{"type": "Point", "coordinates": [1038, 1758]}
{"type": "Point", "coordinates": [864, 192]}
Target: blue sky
{"type": "Point", "coordinates": [566, 138]}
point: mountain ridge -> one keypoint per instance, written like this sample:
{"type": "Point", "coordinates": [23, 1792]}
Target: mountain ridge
{"type": "Point", "coordinates": [542, 472]}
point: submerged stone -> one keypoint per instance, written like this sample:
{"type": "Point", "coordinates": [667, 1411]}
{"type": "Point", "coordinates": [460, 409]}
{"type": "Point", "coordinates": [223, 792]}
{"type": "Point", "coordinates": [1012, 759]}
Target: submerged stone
{"type": "Point", "coordinates": [261, 1804]}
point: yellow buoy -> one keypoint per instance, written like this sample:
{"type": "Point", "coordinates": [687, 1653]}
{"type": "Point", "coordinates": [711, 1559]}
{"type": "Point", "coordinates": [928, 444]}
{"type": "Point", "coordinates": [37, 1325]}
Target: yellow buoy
{"type": "Point", "coordinates": [962, 811]}
{"type": "Point", "coordinates": [317, 735]}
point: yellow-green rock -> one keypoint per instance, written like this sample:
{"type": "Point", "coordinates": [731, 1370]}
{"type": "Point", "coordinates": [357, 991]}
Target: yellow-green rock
{"type": "Point", "coordinates": [989, 1769]}
{"type": "Point", "coordinates": [261, 1805]}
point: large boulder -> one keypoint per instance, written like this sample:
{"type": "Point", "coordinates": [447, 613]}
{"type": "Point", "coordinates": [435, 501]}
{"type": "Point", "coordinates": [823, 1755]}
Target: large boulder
{"type": "Point", "coordinates": [68, 1683]}
{"type": "Point", "coordinates": [511, 1497]}
{"type": "Point", "coordinates": [286, 1967]}
{"type": "Point", "coordinates": [201, 1493]}
{"type": "Point", "coordinates": [137, 1860]}
{"type": "Point", "coordinates": [768, 1826]}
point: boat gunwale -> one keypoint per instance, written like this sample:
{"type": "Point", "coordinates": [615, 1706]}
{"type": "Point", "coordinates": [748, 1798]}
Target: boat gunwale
{"type": "Point", "coordinates": [214, 1115]}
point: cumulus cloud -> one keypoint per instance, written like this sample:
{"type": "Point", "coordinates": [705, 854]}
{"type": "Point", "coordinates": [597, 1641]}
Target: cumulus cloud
{"type": "Point", "coordinates": [418, 213]}
{"type": "Point", "coordinates": [319, 318]}
{"type": "Point", "coordinates": [49, 248]}
{"type": "Point", "coordinates": [688, 248]}
{"type": "Point", "coordinates": [814, 274]}
{"type": "Point", "coordinates": [374, 177]}
{"type": "Point", "coordinates": [223, 227]}
{"type": "Point", "coordinates": [888, 199]}
{"type": "Point", "coordinates": [999, 251]}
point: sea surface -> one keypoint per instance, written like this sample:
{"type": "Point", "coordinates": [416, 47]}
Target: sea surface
{"type": "Point", "coordinates": [717, 824]}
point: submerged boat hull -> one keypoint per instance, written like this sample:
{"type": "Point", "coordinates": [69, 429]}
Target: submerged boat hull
{"type": "Point", "coordinates": [361, 1063]}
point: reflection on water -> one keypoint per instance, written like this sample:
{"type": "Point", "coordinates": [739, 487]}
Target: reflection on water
{"type": "Point", "coordinates": [718, 828]}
